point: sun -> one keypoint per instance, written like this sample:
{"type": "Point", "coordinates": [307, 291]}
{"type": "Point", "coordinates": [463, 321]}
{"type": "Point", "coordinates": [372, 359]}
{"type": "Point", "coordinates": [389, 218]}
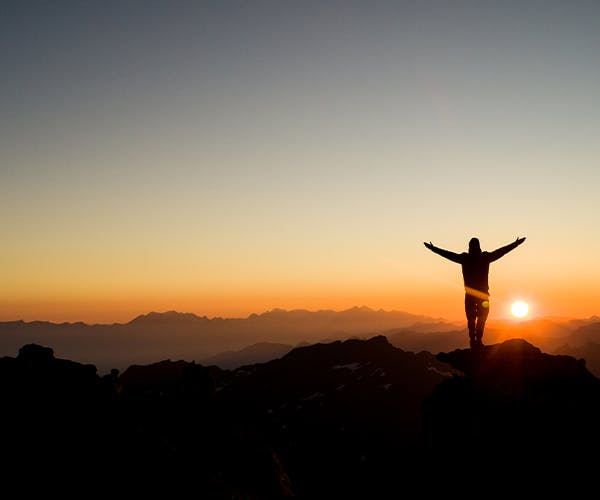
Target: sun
{"type": "Point", "coordinates": [519, 309]}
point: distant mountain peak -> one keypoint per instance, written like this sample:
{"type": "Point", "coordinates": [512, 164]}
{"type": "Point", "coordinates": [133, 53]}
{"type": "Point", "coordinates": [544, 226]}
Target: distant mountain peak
{"type": "Point", "coordinates": [165, 317]}
{"type": "Point", "coordinates": [360, 309]}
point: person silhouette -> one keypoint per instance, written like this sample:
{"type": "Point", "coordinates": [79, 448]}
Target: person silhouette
{"type": "Point", "coordinates": [475, 270]}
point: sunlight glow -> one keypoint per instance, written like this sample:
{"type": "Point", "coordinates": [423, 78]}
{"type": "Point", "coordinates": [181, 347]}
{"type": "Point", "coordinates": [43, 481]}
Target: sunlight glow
{"type": "Point", "coordinates": [519, 309]}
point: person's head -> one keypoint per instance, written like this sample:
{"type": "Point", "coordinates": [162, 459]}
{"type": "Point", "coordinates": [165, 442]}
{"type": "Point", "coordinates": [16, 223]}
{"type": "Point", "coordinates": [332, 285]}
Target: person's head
{"type": "Point", "coordinates": [474, 247]}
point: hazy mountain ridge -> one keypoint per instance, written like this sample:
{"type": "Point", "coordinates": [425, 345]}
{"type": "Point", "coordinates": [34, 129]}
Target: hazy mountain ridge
{"type": "Point", "coordinates": [351, 419]}
{"type": "Point", "coordinates": [255, 353]}
{"type": "Point", "coordinates": [237, 341]}
{"type": "Point", "coordinates": [187, 336]}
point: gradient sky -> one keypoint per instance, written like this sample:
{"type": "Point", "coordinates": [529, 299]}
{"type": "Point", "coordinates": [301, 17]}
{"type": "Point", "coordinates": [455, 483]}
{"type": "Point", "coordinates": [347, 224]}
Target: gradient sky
{"type": "Point", "coordinates": [230, 157]}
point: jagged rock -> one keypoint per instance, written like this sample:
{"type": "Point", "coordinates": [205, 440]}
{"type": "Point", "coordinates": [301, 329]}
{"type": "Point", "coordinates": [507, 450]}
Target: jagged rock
{"type": "Point", "coordinates": [358, 418]}
{"type": "Point", "coordinates": [514, 405]}
{"type": "Point", "coordinates": [344, 416]}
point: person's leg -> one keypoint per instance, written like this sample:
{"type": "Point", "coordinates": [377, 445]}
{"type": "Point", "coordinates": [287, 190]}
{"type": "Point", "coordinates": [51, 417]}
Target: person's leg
{"type": "Point", "coordinates": [483, 309]}
{"type": "Point", "coordinates": [471, 312]}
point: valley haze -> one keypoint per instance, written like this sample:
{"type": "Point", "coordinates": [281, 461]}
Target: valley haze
{"type": "Point", "coordinates": [232, 342]}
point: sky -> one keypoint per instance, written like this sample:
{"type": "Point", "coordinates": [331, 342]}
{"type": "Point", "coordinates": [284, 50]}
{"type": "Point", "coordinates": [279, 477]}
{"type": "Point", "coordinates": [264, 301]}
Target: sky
{"type": "Point", "coordinates": [230, 157]}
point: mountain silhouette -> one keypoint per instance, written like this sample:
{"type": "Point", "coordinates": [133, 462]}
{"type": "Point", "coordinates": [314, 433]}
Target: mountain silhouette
{"type": "Point", "coordinates": [515, 405]}
{"type": "Point", "coordinates": [256, 353]}
{"type": "Point", "coordinates": [167, 318]}
{"type": "Point", "coordinates": [343, 415]}
{"type": "Point", "coordinates": [174, 335]}
{"type": "Point", "coordinates": [590, 351]}
{"type": "Point", "coordinates": [348, 419]}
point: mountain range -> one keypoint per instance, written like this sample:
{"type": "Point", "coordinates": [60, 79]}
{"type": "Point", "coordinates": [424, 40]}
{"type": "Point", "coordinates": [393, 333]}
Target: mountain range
{"type": "Point", "coordinates": [174, 335]}
{"type": "Point", "coordinates": [342, 419]}
{"type": "Point", "coordinates": [232, 342]}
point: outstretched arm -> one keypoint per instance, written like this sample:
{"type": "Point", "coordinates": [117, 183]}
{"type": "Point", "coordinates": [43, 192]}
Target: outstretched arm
{"type": "Point", "coordinates": [454, 257]}
{"type": "Point", "coordinates": [499, 252]}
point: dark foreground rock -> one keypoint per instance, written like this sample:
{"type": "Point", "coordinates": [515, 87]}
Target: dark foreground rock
{"type": "Point", "coordinates": [352, 419]}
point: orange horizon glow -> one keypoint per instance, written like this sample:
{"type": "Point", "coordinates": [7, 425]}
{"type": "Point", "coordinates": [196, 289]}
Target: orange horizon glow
{"type": "Point", "coordinates": [419, 283]}
{"type": "Point", "coordinates": [296, 159]}
{"type": "Point", "coordinates": [120, 311]}
{"type": "Point", "coordinates": [107, 310]}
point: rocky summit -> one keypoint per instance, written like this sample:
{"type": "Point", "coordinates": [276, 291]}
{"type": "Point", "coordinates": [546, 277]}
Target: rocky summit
{"type": "Point", "coordinates": [345, 419]}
